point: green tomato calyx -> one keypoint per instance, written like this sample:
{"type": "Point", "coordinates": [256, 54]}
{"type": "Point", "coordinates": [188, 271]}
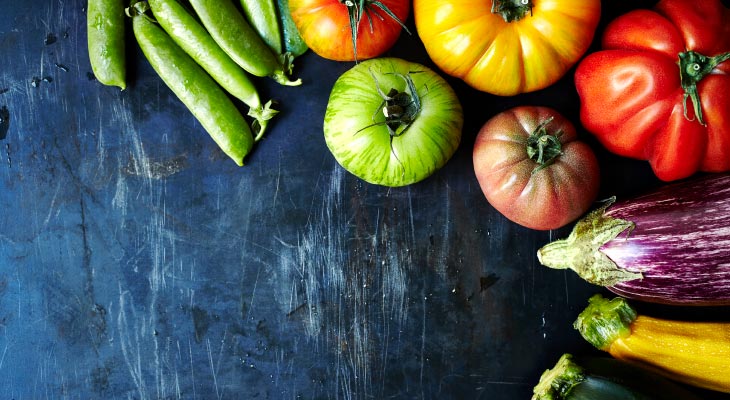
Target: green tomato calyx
{"type": "Point", "coordinates": [544, 147]}
{"type": "Point", "coordinates": [400, 108]}
{"type": "Point", "coordinates": [693, 67]}
{"type": "Point", "coordinates": [512, 10]}
{"type": "Point", "coordinates": [371, 9]}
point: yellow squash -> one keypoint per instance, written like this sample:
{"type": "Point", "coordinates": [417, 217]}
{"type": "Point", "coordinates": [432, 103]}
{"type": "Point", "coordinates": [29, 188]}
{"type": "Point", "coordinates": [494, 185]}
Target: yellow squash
{"type": "Point", "coordinates": [695, 353]}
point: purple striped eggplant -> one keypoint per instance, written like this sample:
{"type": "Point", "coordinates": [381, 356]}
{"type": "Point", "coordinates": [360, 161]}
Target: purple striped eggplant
{"type": "Point", "coordinates": [669, 246]}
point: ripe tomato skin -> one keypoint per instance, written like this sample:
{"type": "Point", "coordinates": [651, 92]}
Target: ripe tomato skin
{"type": "Point", "coordinates": [325, 27]}
{"type": "Point", "coordinates": [360, 142]}
{"type": "Point", "coordinates": [543, 199]}
{"type": "Point", "coordinates": [631, 92]}
{"type": "Point", "coordinates": [466, 40]}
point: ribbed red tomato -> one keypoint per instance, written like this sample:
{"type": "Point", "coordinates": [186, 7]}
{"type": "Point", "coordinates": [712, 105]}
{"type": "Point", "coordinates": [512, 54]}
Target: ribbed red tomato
{"type": "Point", "coordinates": [347, 30]}
{"type": "Point", "coordinates": [660, 88]}
{"type": "Point", "coordinates": [532, 168]}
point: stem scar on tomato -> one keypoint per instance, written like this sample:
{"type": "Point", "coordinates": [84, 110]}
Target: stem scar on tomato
{"type": "Point", "coordinates": [512, 10]}
{"type": "Point", "coordinates": [355, 11]}
{"type": "Point", "coordinates": [544, 147]}
{"type": "Point", "coordinates": [400, 109]}
{"type": "Point", "coordinates": [693, 67]}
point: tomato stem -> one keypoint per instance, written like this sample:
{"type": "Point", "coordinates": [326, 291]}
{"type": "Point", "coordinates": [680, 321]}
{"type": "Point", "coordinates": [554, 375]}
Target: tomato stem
{"type": "Point", "coordinates": [357, 8]}
{"type": "Point", "coordinates": [543, 147]}
{"type": "Point", "coordinates": [693, 67]}
{"type": "Point", "coordinates": [512, 10]}
{"type": "Point", "coordinates": [400, 108]}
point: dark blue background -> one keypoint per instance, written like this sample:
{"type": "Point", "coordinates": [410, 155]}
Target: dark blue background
{"type": "Point", "coordinates": [138, 262]}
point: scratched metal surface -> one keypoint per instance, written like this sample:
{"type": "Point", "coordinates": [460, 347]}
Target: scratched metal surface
{"type": "Point", "coordinates": [137, 262]}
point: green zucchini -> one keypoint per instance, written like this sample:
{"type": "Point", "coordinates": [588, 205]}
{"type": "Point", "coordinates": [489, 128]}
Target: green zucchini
{"type": "Point", "coordinates": [293, 42]}
{"type": "Point", "coordinates": [605, 378]}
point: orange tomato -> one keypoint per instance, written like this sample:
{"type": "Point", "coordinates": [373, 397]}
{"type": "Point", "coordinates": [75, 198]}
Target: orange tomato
{"type": "Point", "coordinates": [326, 26]}
{"type": "Point", "coordinates": [474, 41]}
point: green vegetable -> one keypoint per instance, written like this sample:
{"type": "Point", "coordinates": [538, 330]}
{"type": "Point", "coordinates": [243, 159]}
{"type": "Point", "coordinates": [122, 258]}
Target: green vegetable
{"type": "Point", "coordinates": [239, 40]}
{"type": "Point", "coordinates": [293, 42]}
{"type": "Point", "coordinates": [262, 15]}
{"type": "Point", "coordinates": [193, 86]}
{"type": "Point", "coordinates": [192, 37]}
{"type": "Point", "coordinates": [604, 378]}
{"type": "Point", "coordinates": [392, 122]}
{"type": "Point", "coordinates": [105, 35]}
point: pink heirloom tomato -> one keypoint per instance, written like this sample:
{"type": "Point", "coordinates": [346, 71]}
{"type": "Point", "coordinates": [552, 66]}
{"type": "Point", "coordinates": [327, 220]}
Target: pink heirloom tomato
{"type": "Point", "coordinates": [532, 168]}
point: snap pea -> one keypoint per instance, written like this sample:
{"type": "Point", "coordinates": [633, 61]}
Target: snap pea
{"type": "Point", "coordinates": [262, 16]}
{"type": "Point", "coordinates": [239, 40]}
{"type": "Point", "coordinates": [293, 42]}
{"type": "Point", "coordinates": [192, 85]}
{"type": "Point", "coordinates": [192, 37]}
{"type": "Point", "coordinates": [105, 40]}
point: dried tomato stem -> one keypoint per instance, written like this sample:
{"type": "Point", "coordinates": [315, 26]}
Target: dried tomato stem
{"type": "Point", "coordinates": [693, 67]}
{"type": "Point", "coordinates": [370, 8]}
{"type": "Point", "coordinates": [543, 147]}
{"type": "Point", "coordinates": [512, 10]}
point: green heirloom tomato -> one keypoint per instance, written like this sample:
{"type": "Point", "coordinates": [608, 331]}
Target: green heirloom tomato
{"type": "Point", "coordinates": [392, 122]}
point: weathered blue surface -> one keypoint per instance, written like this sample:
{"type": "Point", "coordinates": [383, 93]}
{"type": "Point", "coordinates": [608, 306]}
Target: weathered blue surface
{"type": "Point", "coordinates": [138, 262]}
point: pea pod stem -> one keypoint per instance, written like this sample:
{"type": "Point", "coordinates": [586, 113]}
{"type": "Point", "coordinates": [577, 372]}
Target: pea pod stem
{"type": "Point", "coordinates": [192, 37]}
{"type": "Point", "coordinates": [192, 85]}
{"type": "Point", "coordinates": [229, 28]}
{"type": "Point", "coordinates": [105, 41]}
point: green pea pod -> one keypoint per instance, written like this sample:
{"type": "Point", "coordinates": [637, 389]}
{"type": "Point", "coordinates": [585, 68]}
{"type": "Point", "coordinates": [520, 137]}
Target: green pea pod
{"type": "Point", "coordinates": [105, 35]}
{"type": "Point", "coordinates": [192, 85]}
{"type": "Point", "coordinates": [239, 40]}
{"type": "Point", "coordinates": [293, 42]}
{"type": "Point", "coordinates": [192, 37]}
{"type": "Point", "coordinates": [262, 16]}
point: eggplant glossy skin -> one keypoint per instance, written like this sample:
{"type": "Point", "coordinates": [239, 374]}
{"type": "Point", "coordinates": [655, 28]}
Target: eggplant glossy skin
{"type": "Point", "coordinates": [668, 246]}
{"type": "Point", "coordinates": [680, 243]}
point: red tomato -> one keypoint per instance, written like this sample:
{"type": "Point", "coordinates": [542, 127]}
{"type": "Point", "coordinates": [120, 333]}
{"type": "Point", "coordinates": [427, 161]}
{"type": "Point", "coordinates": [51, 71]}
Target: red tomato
{"type": "Point", "coordinates": [326, 26]}
{"type": "Point", "coordinates": [532, 168]}
{"type": "Point", "coordinates": [660, 88]}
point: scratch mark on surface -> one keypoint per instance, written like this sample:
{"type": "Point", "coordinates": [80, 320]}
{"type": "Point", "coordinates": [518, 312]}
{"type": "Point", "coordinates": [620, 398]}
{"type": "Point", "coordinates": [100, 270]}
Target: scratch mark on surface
{"type": "Point", "coordinates": [348, 284]}
{"type": "Point", "coordinates": [192, 368]}
{"type": "Point", "coordinates": [130, 344]}
{"type": "Point", "coordinates": [212, 369]}
{"type": "Point", "coordinates": [253, 294]}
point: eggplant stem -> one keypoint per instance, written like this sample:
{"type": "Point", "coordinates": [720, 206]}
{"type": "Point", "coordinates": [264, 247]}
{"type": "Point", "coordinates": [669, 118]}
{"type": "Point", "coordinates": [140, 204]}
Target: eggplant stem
{"type": "Point", "coordinates": [580, 251]}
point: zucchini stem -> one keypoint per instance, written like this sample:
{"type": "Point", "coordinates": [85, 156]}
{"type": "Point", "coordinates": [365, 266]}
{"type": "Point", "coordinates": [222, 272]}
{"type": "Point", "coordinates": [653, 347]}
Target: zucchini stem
{"type": "Point", "coordinates": [556, 383]}
{"type": "Point", "coordinates": [604, 321]}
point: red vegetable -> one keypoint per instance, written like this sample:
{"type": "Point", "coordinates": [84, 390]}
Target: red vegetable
{"type": "Point", "coordinates": [532, 168]}
{"type": "Point", "coordinates": [347, 30]}
{"type": "Point", "coordinates": [660, 89]}
{"type": "Point", "coordinates": [669, 246]}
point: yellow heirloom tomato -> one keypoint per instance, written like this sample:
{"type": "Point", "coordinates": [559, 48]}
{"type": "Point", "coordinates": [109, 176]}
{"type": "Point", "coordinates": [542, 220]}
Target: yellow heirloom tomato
{"type": "Point", "coordinates": [506, 47]}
